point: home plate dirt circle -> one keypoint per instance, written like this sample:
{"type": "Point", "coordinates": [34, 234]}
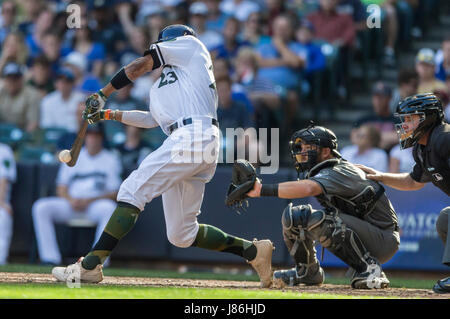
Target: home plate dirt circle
{"type": "Point", "coordinates": [8, 277]}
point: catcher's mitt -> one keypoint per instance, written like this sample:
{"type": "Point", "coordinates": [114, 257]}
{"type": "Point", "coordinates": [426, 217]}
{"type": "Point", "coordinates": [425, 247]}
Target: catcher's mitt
{"type": "Point", "coordinates": [243, 179]}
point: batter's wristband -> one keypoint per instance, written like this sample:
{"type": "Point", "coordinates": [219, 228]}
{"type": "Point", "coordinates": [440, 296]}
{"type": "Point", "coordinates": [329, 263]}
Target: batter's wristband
{"type": "Point", "coordinates": [120, 79]}
{"type": "Point", "coordinates": [107, 115]}
{"type": "Point", "coordinates": [103, 96]}
{"type": "Point", "coordinates": [269, 190]}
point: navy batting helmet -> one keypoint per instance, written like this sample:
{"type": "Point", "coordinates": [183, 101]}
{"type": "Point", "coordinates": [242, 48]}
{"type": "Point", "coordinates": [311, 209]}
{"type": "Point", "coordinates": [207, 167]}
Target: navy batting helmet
{"type": "Point", "coordinates": [173, 31]}
{"type": "Point", "coordinates": [428, 111]}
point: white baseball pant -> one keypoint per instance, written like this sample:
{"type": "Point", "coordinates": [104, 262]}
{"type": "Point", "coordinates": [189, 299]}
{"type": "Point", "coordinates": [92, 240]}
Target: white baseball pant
{"type": "Point", "coordinates": [6, 229]}
{"type": "Point", "coordinates": [181, 184]}
{"type": "Point", "coordinates": [50, 210]}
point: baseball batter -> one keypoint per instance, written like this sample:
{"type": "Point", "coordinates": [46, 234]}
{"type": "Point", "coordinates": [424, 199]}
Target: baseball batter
{"type": "Point", "coordinates": [183, 102]}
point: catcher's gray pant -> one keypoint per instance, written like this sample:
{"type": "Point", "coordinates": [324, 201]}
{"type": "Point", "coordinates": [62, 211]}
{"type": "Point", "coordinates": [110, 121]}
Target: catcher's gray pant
{"type": "Point", "coordinates": [442, 227]}
{"type": "Point", "coordinates": [381, 244]}
{"type": "Point", "coordinates": [6, 224]}
{"type": "Point", "coordinates": [49, 210]}
{"type": "Point", "coordinates": [180, 180]}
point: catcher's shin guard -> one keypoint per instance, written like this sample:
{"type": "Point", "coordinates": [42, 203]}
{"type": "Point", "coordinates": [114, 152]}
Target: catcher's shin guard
{"type": "Point", "coordinates": [297, 221]}
{"type": "Point", "coordinates": [344, 243]}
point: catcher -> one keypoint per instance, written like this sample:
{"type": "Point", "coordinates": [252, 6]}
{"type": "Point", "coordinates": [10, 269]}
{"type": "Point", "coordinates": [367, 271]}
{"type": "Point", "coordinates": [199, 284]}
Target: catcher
{"type": "Point", "coordinates": [183, 102]}
{"type": "Point", "coordinates": [357, 223]}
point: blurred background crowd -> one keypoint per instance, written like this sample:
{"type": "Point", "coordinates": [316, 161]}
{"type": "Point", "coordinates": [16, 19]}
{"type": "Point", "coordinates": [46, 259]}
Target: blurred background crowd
{"type": "Point", "coordinates": [276, 63]}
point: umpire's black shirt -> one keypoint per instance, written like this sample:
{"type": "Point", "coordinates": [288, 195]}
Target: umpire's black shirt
{"type": "Point", "coordinates": [433, 159]}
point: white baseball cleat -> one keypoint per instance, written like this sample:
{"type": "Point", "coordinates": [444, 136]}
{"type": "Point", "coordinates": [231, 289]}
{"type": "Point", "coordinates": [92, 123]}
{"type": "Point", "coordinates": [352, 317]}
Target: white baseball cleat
{"type": "Point", "coordinates": [76, 273]}
{"type": "Point", "coordinates": [263, 261]}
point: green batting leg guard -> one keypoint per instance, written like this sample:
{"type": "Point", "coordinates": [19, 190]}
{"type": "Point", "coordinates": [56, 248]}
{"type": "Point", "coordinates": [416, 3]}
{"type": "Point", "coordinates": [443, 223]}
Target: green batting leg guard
{"type": "Point", "coordinates": [212, 238]}
{"type": "Point", "coordinates": [121, 222]}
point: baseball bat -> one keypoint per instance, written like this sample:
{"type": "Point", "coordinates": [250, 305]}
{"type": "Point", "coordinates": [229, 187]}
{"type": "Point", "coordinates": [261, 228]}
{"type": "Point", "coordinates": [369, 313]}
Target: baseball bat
{"type": "Point", "coordinates": [77, 144]}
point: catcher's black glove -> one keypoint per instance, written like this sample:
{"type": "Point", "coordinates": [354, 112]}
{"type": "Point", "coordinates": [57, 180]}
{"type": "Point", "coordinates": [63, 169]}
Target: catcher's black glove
{"type": "Point", "coordinates": [243, 179]}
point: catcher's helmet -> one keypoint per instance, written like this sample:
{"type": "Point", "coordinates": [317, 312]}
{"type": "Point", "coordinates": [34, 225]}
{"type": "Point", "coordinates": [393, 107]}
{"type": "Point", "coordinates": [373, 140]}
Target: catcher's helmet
{"type": "Point", "coordinates": [315, 135]}
{"type": "Point", "coordinates": [173, 31]}
{"type": "Point", "coordinates": [430, 113]}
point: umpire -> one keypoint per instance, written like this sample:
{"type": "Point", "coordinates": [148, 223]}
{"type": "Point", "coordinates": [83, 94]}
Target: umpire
{"type": "Point", "coordinates": [357, 223]}
{"type": "Point", "coordinates": [422, 126]}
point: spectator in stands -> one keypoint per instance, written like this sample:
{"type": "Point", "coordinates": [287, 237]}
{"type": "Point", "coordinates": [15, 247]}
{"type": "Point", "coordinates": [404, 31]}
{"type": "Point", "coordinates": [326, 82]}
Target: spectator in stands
{"type": "Point", "coordinates": [51, 49]}
{"type": "Point", "coordinates": [401, 161]}
{"type": "Point", "coordinates": [408, 83]}
{"type": "Point", "coordinates": [14, 49]}
{"type": "Point", "coordinates": [105, 29]}
{"type": "Point", "coordinates": [233, 115]}
{"type": "Point", "coordinates": [222, 68]}
{"type": "Point", "coordinates": [8, 19]}
{"type": "Point", "coordinates": [262, 92]}
{"type": "Point", "coordinates": [59, 108]}
{"type": "Point", "coordinates": [311, 53]}
{"type": "Point", "coordinates": [156, 20]}
{"type": "Point", "coordinates": [254, 30]}
{"type": "Point", "coordinates": [357, 10]}
{"type": "Point", "coordinates": [365, 149]}
{"type": "Point", "coordinates": [40, 76]}
{"type": "Point", "coordinates": [7, 178]}
{"type": "Point", "coordinates": [382, 117]}
{"type": "Point", "coordinates": [77, 63]}
{"type": "Point", "coordinates": [19, 103]}
{"type": "Point", "coordinates": [133, 151]}
{"type": "Point", "coordinates": [231, 44]}
{"type": "Point", "coordinates": [85, 191]}
{"type": "Point", "coordinates": [216, 18]}
{"type": "Point", "coordinates": [339, 30]}
{"type": "Point", "coordinates": [280, 63]}
{"type": "Point", "coordinates": [443, 66]}
{"type": "Point", "coordinates": [273, 8]}
{"type": "Point", "coordinates": [42, 27]}
{"type": "Point", "coordinates": [198, 13]}
{"type": "Point", "coordinates": [93, 51]}
{"type": "Point", "coordinates": [425, 67]}
{"type": "Point", "coordinates": [230, 113]}
{"type": "Point", "coordinates": [32, 10]}
{"type": "Point", "coordinates": [240, 9]}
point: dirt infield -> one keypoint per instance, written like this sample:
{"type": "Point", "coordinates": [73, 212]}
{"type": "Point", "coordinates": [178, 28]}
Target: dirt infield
{"type": "Point", "coordinates": [7, 277]}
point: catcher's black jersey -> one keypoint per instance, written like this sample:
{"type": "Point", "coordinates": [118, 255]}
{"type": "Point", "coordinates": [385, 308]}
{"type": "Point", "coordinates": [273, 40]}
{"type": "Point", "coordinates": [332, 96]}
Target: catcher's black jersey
{"type": "Point", "coordinates": [347, 181]}
{"type": "Point", "coordinates": [433, 159]}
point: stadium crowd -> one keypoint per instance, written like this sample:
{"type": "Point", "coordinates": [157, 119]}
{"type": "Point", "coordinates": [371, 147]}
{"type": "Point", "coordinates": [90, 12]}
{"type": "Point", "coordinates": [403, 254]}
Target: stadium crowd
{"type": "Point", "coordinates": [272, 60]}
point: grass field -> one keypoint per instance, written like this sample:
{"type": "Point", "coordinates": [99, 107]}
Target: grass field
{"type": "Point", "coordinates": [132, 286]}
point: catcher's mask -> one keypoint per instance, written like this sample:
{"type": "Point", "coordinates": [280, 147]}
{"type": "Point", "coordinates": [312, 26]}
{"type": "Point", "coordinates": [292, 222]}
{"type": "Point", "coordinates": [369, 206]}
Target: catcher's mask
{"type": "Point", "coordinates": [417, 114]}
{"type": "Point", "coordinates": [173, 31]}
{"type": "Point", "coordinates": [306, 144]}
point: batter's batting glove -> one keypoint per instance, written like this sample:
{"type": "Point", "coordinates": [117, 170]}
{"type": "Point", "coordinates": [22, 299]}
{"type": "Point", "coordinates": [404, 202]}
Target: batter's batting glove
{"type": "Point", "coordinates": [95, 102]}
{"type": "Point", "coordinates": [99, 116]}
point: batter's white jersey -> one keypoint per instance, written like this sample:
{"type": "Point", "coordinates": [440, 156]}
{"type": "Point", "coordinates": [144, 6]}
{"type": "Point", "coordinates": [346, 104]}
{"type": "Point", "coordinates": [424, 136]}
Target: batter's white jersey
{"type": "Point", "coordinates": [186, 89]}
{"type": "Point", "coordinates": [187, 85]}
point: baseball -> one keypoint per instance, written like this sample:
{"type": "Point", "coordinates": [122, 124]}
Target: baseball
{"type": "Point", "coordinates": [64, 156]}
